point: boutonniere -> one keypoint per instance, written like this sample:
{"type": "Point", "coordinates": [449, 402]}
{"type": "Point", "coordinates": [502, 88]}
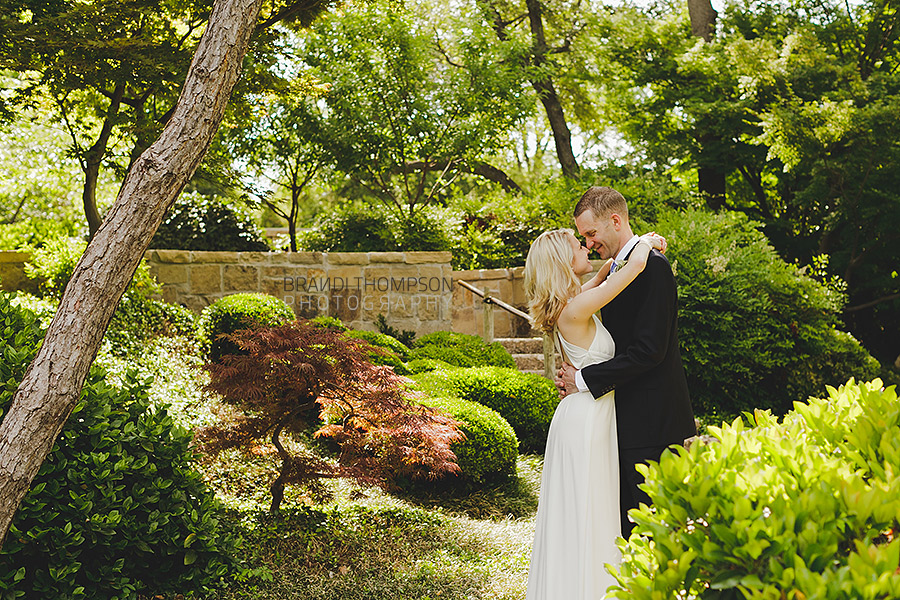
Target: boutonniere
{"type": "Point", "coordinates": [618, 265]}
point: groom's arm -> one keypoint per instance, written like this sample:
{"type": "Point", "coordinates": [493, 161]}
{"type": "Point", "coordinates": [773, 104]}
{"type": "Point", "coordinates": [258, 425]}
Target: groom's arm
{"type": "Point", "coordinates": [653, 328]}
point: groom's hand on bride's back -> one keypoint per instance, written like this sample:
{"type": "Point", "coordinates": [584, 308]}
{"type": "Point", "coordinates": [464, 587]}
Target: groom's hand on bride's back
{"type": "Point", "coordinates": [565, 380]}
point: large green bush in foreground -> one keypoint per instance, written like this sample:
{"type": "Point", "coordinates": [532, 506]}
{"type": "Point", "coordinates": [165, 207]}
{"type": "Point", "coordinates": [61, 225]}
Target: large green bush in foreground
{"type": "Point", "coordinates": [116, 509]}
{"type": "Point", "coordinates": [755, 331]}
{"type": "Point", "coordinates": [808, 507]}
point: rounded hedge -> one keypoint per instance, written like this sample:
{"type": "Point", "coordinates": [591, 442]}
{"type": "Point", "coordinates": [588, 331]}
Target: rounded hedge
{"type": "Point", "coordinates": [235, 312]}
{"type": "Point", "coordinates": [490, 449]}
{"type": "Point", "coordinates": [461, 350]}
{"type": "Point", "coordinates": [116, 509]}
{"type": "Point", "coordinates": [526, 400]}
{"type": "Point", "coordinates": [391, 352]}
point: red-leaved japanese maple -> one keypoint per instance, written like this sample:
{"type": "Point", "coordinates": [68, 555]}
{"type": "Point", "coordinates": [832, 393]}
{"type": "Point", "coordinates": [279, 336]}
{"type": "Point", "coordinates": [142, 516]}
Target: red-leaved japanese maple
{"type": "Point", "coordinates": [290, 376]}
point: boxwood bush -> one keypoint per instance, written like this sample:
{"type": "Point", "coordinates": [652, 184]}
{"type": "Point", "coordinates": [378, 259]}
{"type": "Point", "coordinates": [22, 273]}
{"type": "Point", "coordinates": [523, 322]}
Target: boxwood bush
{"type": "Point", "coordinates": [527, 401]}
{"type": "Point", "coordinates": [235, 312]}
{"type": "Point", "coordinates": [755, 331]}
{"type": "Point", "coordinates": [808, 507]}
{"type": "Point", "coordinates": [116, 509]}
{"type": "Point", "coordinates": [390, 351]}
{"type": "Point", "coordinates": [461, 350]}
{"type": "Point", "coordinates": [490, 449]}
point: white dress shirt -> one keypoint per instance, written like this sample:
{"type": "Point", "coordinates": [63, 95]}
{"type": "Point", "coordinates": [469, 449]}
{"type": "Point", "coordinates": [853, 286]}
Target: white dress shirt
{"type": "Point", "coordinates": [625, 251]}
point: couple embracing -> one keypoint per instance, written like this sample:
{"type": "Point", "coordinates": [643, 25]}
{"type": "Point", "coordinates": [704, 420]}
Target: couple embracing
{"type": "Point", "coordinates": [625, 394]}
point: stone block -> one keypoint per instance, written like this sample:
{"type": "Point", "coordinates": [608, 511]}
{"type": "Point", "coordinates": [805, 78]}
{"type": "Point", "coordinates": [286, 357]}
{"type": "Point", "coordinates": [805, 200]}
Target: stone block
{"type": "Point", "coordinates": [253, 258]}
{"type": "Point", "coordinates": [345, 304]}
{"type": "Point", "coordinates": [196, 302]}
{"type": "Point", "coordinates": [347, 258]}
{"type": "Point", "coordinates": [208, 256]}
{"type": "Point", "coordinates": [386, 257]}
{"type": "Point", "coordinates": [240, 278]}
{"type": "Point", "coordinates": [303, 258]}
{"type": "Point", "coordinates": [419, 258]}
{"type": "Point", "coordinates": [174, 256]}
{"type": "Point", "coordinates": [172, 273]}
{"type": "Point", "coordinates": [206, 279]}
{"type": "Point", "coordinates": [401, 306]}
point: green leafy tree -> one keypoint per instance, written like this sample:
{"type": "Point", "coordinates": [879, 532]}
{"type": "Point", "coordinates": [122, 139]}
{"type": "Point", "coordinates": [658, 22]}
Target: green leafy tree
{"type": "Point", "coordinates": [404, 115]}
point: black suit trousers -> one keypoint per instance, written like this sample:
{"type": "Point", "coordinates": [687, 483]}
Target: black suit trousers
{"type": "Point", "coordinates": [629, 479]}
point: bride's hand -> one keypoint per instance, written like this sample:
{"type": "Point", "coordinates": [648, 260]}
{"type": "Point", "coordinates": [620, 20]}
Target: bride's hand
{"type": "Point", "coordinates": [656, 241]}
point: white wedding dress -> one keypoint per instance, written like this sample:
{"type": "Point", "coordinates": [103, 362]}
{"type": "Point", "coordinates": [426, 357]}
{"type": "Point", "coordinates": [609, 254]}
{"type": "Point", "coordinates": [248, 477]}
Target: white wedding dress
{"type": "Point", "coordinates": [578, 512]}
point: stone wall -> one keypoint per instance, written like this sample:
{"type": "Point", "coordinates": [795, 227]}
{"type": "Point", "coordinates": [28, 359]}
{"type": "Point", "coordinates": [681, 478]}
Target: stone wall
{"type": "Point", "coordinates": [504, 284]}
{"type": "Point", "coordinates": [12, 272]}
{"type": "Point", "coordinates": [413, 290]}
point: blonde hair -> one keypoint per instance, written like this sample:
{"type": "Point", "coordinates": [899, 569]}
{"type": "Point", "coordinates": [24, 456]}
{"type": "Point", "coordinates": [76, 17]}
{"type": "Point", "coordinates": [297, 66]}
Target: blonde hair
{"type": "Point", "coordinates": [550, 280]}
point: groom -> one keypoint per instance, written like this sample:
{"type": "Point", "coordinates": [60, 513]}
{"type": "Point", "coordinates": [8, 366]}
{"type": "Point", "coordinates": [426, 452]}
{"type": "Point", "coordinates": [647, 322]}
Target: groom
{"type": "Point", "coordinates": [653, 409]}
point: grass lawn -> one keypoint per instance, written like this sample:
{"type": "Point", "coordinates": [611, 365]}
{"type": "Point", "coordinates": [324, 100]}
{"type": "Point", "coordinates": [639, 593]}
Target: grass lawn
{"type": "Point", "coordinates": [362, 543]}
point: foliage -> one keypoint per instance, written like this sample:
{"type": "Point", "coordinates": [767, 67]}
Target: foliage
{"type": "Point", "coordinates": [359, 228]}
{"type": "Point", "coordinates": [329, 323]}
{"type": "Point", "coordinates": [407, 110]}
{"type": "Point", "coordinates": [422, 365]}
{"type": "Point", "coordinates": [235, 312]}
{"type": "Point", "coordinates": [405, 337]}
{"type": "Point", "coordinates": [804, 508]}
{"type": "Point", "coordinates": [287, 375]}
{"type": "Point", "coordinates": [755, 331]}
{"type": "Point", "coordinates": [525, 400]}
{"type": "Point", "coordinates": [139, 316]}
{"type": "Point", "coordinates": [200, 222]}
{"type": "Point", "coordinates": [489, 450]}
{"type": "Point", "coordinates": [53, 263]}
{"type": "Point", "coordinates": [461, 350]}
{"type": "Point", "coordinates": [793, 104]}
{"type": "Point", "coordinates": [116, 508]}
{"type": "Point", "coordinates": [387, 350]}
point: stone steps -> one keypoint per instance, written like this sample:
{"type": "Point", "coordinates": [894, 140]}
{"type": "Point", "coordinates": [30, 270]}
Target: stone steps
{"type": "Point", "coordinates": [527, 352]}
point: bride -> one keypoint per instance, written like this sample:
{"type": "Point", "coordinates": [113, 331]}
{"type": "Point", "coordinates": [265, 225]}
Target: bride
{"type": "Point", "coordinates": [578, 512]}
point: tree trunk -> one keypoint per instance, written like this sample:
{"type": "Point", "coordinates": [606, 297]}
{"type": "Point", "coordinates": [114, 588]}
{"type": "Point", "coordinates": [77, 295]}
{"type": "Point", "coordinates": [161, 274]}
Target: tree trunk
{"type": "Point", "coordinates": [703, 19]}
{"type": "Point", "coordinates": [53, 382]}
{"type": "Point", "coordinates": [94, 157]}
{"type": "Point", "coordinates": [710, 178]}
{"type": "Point", "coordinates": [543, 85]}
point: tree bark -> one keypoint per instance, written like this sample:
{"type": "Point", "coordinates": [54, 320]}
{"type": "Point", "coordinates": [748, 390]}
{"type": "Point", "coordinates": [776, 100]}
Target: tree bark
{"type": "Point", "coordinates": [546, 91]}
{"type": "Point", "coordinates": [710, 177]}
{"type": "Point", "coordinates": [94, 157]}
{"type": "Point", "coordinates": [53, 382]}
{"type": "Point", "coordinates": [703, 19]}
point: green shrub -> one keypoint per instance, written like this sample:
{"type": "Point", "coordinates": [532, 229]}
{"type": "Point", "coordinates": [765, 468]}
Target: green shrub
{"type": "Point", "coordinates": [804, 508]}
{"type": "Point", "coordinates": [405, 337]}
{"type": "Point", "coordinates": [116, 509]}
{"type": "Point", "coordinates": [140, 315]}
{"type": "Point", "coordinates": [329, 322]}
{"type": "Point", "coordinates": [461, 350]}
{"type": "Point", "coordinates": [201, 222]}
{"type": "Point", "coordinates": [235, 312]}
{"type": "Point", "coordinates": [490, 449]}
{"type": "Point", "coordinates": [390, 351]}
{"type": "Point", "coordinates": [755, 332]}
{"type": "Point", "coordinates": [366, 228]}
{"type": "Point", "coordinates": [526, 400]}
{"type": "Point", "coordinates": [423, 365]}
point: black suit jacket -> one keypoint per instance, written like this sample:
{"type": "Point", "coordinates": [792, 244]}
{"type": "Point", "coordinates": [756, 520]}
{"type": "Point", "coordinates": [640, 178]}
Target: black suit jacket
{"type": "Point", "coordinates": [653, 407]}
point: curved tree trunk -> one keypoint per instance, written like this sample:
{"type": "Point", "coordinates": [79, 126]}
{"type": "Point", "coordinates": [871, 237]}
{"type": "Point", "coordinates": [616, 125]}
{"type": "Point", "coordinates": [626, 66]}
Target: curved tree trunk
{"type": "Point", "coordinates": [53, 382]}
{"type": "Point", "coordinates": [94, 157]}
{"type": "Point", "coordinates": [543, 86]}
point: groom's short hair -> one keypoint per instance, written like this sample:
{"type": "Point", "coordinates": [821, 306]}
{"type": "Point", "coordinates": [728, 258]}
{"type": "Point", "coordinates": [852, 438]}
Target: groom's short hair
{"type": "Point", "coordinates": [602, 201]}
